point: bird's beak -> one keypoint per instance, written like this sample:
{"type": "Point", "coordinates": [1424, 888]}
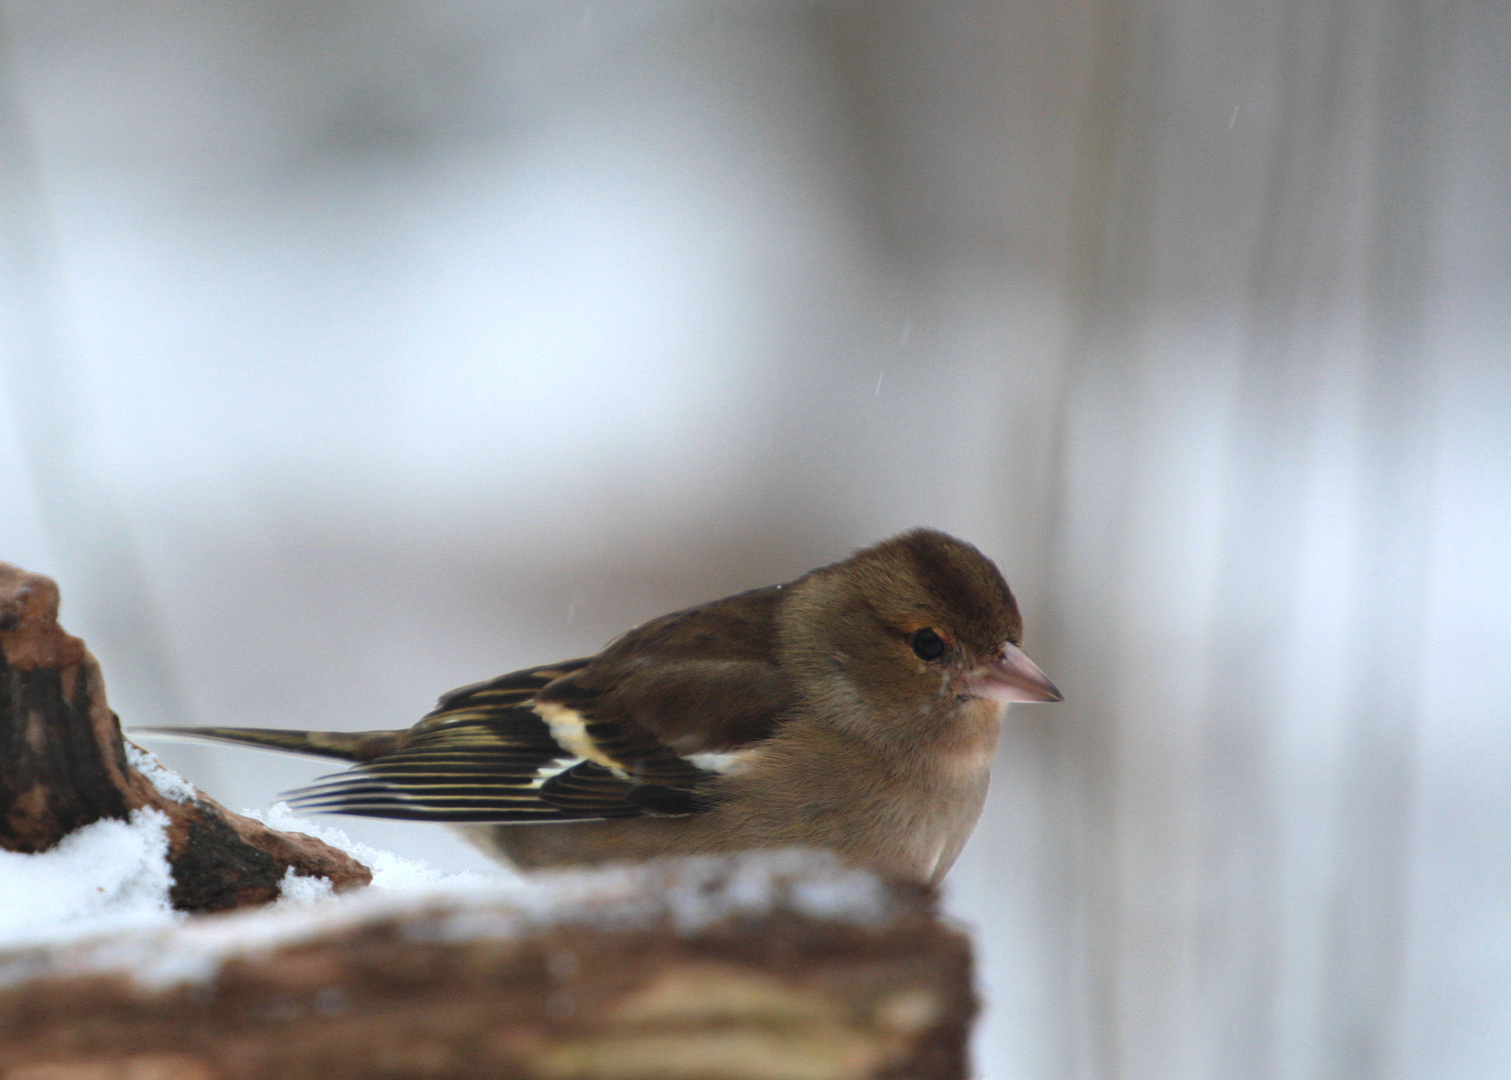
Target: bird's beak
{"type": "Point", "coordinates": [1012, 676]}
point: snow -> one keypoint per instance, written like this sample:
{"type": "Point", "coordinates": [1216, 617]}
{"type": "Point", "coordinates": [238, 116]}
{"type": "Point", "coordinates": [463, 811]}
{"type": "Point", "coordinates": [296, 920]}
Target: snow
{"type": "Point", "coordinates": [106, 878]}
{"type": "Point", "coordinates": [297, 888]}
{"type": "Point", "coordinates": [113, 876]}
{"type": "Point", "coordinates": [169, 784]}
{"type": "Point", "coordinates": [390, 871]}
{"type": "Point", "coordinates": [98, 902]}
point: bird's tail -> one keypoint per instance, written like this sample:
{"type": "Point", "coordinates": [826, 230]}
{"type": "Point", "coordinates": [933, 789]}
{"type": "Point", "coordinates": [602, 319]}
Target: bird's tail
{"type": "Point", "coordinates": [342, 745]}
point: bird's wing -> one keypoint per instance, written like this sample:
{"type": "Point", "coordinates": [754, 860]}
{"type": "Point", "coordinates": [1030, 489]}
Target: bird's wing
{"type": "Point", "coordinates": [640, 729]}
{"type": "Point", "coordinates": [483, 755]}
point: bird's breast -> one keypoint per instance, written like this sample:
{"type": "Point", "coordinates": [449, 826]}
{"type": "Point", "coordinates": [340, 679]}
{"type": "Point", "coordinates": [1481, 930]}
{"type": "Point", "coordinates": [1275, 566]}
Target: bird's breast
{"type": "Point", "coordinates": [945, 784]}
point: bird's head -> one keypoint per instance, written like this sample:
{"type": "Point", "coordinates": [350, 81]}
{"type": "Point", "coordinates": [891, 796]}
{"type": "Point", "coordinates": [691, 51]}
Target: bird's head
{"type": "Point", "coordinates": [919, 624]}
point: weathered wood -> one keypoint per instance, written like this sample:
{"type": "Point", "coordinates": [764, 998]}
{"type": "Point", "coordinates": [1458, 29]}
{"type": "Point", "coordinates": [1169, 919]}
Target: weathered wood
{"type": "Point", "coordinates": [64, 765]}
{"type": "Point", "coordinates": [689, 970]}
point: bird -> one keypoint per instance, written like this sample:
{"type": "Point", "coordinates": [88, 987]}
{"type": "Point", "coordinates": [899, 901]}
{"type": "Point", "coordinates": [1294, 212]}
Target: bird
{"type": "Point", "coordinates": [855, 709]}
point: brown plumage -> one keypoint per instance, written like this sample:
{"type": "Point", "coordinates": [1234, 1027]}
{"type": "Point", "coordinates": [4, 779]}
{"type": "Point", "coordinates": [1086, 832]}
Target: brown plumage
{"type": "Point", "coordinates": [856, 708]}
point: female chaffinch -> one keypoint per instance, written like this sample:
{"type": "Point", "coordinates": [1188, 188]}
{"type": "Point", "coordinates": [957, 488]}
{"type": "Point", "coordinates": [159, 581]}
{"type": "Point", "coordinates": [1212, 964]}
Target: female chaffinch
{"type": "Point", "coordinates": [856, 709]}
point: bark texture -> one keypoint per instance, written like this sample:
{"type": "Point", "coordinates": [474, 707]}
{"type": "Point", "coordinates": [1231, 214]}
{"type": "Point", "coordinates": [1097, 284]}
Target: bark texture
{"type": "Point", "coordinates": [786, 992]}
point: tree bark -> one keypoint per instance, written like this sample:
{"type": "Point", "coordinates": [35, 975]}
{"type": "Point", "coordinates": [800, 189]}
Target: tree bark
{"type": "Point", "coordinates": [598, 975]}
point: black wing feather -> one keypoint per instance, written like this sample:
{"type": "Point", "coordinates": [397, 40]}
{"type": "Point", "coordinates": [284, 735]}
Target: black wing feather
{"type": "Point", "coordinates": [701, 680]}
{"type": "Point", "coordinates": [485, 755]}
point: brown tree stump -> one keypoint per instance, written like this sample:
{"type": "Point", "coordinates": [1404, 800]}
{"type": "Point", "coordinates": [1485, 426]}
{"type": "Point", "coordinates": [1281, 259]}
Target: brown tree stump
{"type": "Point", "coordinates": [64, 764]}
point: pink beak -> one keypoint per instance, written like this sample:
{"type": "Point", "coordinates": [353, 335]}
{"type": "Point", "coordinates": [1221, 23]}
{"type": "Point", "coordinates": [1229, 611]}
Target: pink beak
{"type": "Point", "coordinates": [1012, 676]}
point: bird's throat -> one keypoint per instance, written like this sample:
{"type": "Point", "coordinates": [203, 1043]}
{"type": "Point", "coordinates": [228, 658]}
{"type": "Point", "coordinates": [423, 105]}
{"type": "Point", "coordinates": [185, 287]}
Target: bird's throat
{"type": "Point", "coordinates": [963, 741]}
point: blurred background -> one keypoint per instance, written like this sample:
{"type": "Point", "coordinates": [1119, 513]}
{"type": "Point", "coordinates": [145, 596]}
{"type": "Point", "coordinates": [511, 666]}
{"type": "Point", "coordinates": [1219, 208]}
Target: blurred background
{"type": "Point", "coordinates": [355, 351]}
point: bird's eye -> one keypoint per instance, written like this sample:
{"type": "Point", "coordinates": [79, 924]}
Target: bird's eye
{"type": "Point", "coordinates": [928, 645]}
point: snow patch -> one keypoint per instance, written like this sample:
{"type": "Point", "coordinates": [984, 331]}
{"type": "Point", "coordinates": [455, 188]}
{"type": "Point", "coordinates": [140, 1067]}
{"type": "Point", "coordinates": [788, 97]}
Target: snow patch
{"type": "Point", "coordinates": [113, 876]}
{"type": "Point", "coordinates": [297, 888]}
{"type": "Point", "coordinates": [390, 871]}
{"type": "Point", "coordinates": [106, 878]}
{"type": "Point", "coordinates": [169, 784]}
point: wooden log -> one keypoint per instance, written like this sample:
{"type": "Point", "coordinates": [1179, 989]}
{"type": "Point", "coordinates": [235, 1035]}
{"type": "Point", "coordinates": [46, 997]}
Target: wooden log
{"type": "Point", "coordinates": [64, 764]}
{"type": "Point", "coordinates": [767, 966]}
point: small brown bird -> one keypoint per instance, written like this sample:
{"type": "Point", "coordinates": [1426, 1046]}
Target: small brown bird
{"type": "Point", "coordinates": [856, 709]}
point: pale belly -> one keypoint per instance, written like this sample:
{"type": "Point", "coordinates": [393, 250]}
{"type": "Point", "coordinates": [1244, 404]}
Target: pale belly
{"type": "Point", "coordinates": [907, 815]}
{"type": "Point", "coordinates": [912, 835]}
